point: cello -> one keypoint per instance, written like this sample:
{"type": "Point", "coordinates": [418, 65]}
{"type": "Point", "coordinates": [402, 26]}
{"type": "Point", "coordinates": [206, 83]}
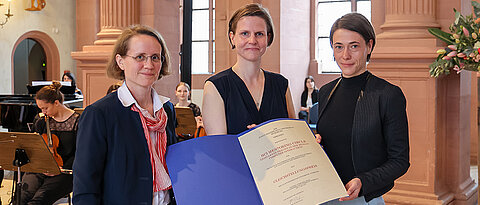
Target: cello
{"type": "Point", "coordinates": [52, 142]}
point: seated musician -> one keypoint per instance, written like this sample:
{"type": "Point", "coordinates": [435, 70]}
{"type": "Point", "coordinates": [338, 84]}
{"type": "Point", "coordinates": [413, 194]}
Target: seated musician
{"type": "Point", "coordinates": [114, 87]}
{"type": "Point", "coordinates": [69, 77]}
{"type": "Point", "coordinates": [45, 188]}
{"type": "Point", "coordinates": [182, 91]}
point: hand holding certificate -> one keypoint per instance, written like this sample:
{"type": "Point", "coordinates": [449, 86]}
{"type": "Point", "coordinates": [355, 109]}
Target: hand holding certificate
{"type": "Point", "coordinates": [277, 162]}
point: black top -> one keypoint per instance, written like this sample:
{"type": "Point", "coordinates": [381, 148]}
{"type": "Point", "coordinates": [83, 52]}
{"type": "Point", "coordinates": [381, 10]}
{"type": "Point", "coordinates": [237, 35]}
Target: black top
{"type": "Point", "coordinates": [335, 125]}
{"type": "Point", "coordinates": [240, 108]}
{"type": "Point", "coordinates": [78, 91]}
{"type": "Point", "coordinates": [66, 132]}
{"type": "Point", "coordinates": [195, 109]}
{"type": "Point", "coordinates": [379, 133]}
{"type": "Point", "coordinates": [314, 96]}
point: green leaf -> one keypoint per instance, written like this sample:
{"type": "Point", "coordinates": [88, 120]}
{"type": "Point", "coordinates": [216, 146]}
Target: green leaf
{"type": "Point", "coordinates": [440, 67]}
{"type": "Point", "coordinates": [442, 35]}
{"type": "Point", "coordinates": [476, 8]}
{"type": "Point", "coordinates": [457, 16]}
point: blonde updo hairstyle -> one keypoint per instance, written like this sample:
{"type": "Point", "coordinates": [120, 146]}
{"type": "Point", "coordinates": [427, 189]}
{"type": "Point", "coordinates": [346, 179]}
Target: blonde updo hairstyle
{"type": "Point", "coordinates": [50, 93]}
{"type": "Point", "coordinates": [121, 48]}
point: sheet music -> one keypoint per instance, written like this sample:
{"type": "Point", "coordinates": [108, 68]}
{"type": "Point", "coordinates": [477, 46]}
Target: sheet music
{"type": "Point", "coordinates": [64, 83]}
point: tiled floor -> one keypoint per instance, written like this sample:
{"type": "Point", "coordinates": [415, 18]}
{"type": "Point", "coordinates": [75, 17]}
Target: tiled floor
{"type": "Point", "coordinates": [6, 186]}
{"type": "Point", "coordinates": [6, 190]}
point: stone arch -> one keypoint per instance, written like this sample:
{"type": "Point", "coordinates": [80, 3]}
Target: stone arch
{"type": "Point", "coordinates": [51, 53]}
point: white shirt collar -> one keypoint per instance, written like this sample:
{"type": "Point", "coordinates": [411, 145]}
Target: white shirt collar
{"type": "Point", "coordinates": [127, 99]}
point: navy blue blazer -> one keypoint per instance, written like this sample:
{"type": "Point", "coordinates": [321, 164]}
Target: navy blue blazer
{"type": "Point", "coordinates": [112, 164]}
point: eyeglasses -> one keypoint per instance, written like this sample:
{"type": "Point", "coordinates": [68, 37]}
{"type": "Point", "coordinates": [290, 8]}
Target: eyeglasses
{"type": "Point", "coordinates": [143, 58]}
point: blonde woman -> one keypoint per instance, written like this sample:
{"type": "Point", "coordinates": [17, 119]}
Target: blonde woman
{"type": "Point", "coordinates": [122, 137]}
{"type": "Point", "coordinates": [245, 94]}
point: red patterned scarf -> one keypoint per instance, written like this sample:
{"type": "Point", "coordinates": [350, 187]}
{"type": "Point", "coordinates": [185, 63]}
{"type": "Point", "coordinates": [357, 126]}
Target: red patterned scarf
{"type": "Point", "coordinates": [161, 180]}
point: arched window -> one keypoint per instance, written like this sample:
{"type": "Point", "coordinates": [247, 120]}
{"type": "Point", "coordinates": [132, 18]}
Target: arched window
{"type": "Point", "coordinates": [327, 12]}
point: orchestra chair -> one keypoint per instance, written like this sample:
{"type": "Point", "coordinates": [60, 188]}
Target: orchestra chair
{"type": "Point", "coordinates": [186, 124]}
{"type": "Point", "coordinates": [69, 199]}
{"type": "Point", "coordinates": [200, 132]}
{"type": "Point", "coordinates": [79, 110]}
{"type": "Point", "coordinates": [69, 196]}
{"type": "Point", "coordinates": [313, 118]}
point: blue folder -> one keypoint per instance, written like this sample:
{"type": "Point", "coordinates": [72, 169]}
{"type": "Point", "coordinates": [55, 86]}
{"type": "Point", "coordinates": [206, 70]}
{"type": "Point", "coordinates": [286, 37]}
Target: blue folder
{"type": "Point", "coordinates": [211, 170]}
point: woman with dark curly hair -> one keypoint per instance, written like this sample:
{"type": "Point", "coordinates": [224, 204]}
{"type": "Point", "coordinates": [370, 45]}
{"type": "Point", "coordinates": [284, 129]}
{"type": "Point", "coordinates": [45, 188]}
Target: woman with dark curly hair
{"type": "Point", "coordinates": [309, 97]}
{"type": "Point", "coordinates": [362, 123]}
{"type": "Point", "coordinates": [69, 77]}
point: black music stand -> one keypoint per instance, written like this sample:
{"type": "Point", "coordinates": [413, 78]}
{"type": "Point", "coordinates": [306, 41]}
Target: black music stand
{"type": "Point", "coordinates": [65, 89]}
{"type": "Point", "coordinates": [28, 151]}
{"type": "Point", "coordinates": [187, 125]}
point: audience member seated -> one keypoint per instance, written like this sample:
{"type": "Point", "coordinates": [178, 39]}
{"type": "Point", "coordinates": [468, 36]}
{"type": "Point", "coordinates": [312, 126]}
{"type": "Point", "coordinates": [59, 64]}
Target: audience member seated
{"type": "Point", "coordinates": [309, 97]}
{"type": "Point", "coordinates": [69, 77]}
{"type": "Point", "coordinates": [183, 93]}
{"type": "Point", "coordinates": [114, 87]}
{"type": "Point", "coordinates": [184, 100]}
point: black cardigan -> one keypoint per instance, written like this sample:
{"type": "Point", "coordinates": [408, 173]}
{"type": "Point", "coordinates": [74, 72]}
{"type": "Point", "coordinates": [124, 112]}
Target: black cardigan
{"type": "Point", "coordinates": [380, 147]}
{"type": "Point", "coordinates": [303, 100]}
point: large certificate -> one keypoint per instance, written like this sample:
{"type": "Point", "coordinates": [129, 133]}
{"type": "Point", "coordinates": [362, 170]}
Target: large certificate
{"type": "Point", "coordinates": [277, 162]}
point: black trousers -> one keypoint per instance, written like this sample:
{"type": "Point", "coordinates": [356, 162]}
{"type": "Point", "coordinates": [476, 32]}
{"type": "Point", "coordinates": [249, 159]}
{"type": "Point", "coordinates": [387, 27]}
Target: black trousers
{"type": "Point", "coordinates": [42, 189]}
{"type": "Point", "coordinates": [303, 115]}
{"type": "Point", "coordinates": [1, 176]}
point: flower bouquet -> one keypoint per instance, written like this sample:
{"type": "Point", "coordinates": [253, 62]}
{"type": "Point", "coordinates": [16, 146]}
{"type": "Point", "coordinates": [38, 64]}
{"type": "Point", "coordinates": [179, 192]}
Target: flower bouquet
{"type": "Point", "coordinates": [462, 52]}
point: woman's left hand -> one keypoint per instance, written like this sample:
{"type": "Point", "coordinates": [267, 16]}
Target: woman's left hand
{"type": "Point", "coordinates": [48, 174]}
{"type": "Point", "coordinates": [353, 189]}
{"type": "Point", "coordinates": [51, 175]}
{"type": "Point", "coordinates": [199, 121]}
{"type": "Point", "coordinates": [251, 126]}
{"type": "Point", "coordinates": [318, 138]}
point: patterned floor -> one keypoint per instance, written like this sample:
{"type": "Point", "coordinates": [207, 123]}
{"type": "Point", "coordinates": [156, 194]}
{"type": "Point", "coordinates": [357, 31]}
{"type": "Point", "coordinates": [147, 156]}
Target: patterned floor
{"type": "Point", "coordinates": [6, 189]}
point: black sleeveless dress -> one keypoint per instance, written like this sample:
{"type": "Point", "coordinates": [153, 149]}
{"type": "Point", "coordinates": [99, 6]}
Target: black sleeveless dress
{"type": "Point", "coordinates": [240, 108]}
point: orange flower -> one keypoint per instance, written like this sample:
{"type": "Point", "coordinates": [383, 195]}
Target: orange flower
{"type": "Point", "coordinates": [477, 20]}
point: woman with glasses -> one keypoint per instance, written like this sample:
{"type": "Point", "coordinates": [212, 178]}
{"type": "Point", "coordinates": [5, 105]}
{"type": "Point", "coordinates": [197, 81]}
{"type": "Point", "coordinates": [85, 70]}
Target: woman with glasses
{"type": "Point", "coordinates": [122, 138]}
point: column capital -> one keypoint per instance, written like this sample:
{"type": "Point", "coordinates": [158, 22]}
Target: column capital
{"type": "Point", "coordinates": [115, 15]}
{"type": "Point", "coordinates": [408, 19]}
